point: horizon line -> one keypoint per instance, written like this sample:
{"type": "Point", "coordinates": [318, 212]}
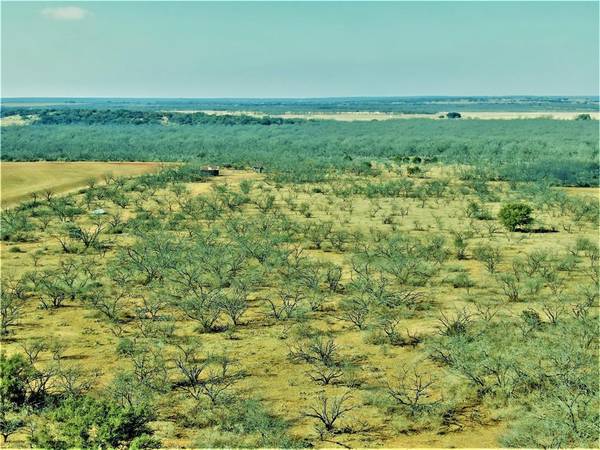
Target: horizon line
{"type": "Point", "coordinates": [312, 97]}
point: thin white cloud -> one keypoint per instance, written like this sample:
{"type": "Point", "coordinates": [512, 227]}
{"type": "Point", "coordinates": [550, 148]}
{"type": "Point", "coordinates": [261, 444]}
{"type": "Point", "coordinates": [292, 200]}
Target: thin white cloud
{"type": "Point", "coordinates": [65, 13]}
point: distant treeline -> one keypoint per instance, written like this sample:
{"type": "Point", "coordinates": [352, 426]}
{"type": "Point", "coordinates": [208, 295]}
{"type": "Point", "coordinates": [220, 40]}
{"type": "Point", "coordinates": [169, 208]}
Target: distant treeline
{"type": "Point", "coordinates": [422, 105]}
{"type": "Point", "coordinates": [70, 116]}
{"type": "Point", "coordinates": [562, 152]}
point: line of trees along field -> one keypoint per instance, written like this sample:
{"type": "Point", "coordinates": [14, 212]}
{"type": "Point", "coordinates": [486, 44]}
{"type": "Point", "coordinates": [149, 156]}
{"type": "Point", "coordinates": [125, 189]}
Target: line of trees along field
{"type": "Point", "coordinates": [69, 116]}
{"type": "Point", "coordinates": [561, 152]}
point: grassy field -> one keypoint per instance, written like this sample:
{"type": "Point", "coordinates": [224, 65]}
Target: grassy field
{"type": "Point", "coordinates": [276, 231]}
{"type": "Point", "coordinates": [20, 179]}
{"type": "Point", "coordinates": [375, 115]}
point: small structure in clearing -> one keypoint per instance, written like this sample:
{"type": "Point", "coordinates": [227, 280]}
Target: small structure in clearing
{"type": "Point", "coordinates": [210, 171]}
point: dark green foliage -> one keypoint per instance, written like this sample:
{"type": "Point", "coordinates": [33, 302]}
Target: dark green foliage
{"type": "Point", "coordinates": [548, 375]}
{"type": "Point", "coordinates": [87, 423]}
{"type": "Point", "coordinates": [22, 384]}
{"type": "Point", "coordinates": [125, 347]}
{"type": "Point", "coordinates": [515, 215]}
{"type": "Point", "coordinates": [67, 116]}
{"type": "Point", "coordinates": [15, 372]}
{"type": "Point", "coordinates": [9, 424]}
{"type": "Point", "coordinates": [15, 225]}
{"type": "Point", "coordinates": [422, 105]}
{"type": "Point", "coordinates": [462, 280]}
{"type": "Point", "coordinates": [563, 152]}
{"type": "Point", "coordinates": [531, 319]}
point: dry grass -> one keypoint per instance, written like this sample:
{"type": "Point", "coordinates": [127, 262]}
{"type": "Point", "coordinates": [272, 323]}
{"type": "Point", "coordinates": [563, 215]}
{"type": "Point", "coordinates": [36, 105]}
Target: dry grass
{"type": "Point", "coordinates": [376, 115]}
{"type": "Point", "coordinates": [18, 180]}
{"type": "Point", "coordinates": [258, 345]}
{"type": "Point", "coordinates": [556, 115]}
{"type": "Point", "coordinates": [14, 120]}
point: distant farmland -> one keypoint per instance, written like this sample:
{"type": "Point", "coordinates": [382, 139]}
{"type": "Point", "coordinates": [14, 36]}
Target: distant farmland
{"type": "Point", "coordinates": [21, 179]}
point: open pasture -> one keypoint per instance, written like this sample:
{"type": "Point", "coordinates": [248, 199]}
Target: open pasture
{"type": "Point", "coordinates": [21, 179]}
{"type": "Point", "coordinates": [348, 116]}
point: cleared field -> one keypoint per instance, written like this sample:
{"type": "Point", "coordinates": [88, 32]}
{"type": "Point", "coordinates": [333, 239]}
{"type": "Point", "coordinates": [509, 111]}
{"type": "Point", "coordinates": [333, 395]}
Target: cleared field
{"type": "Point", "coordinates": [499, 115]}
{"type": "Point", "coordinates": [18, 180]}
{"type": "Point", "coordinates": [340, 116]}
{"type": "Point", "coordinates": [376, 115]}
{"type": "Point", "coordinates": [358, 116]}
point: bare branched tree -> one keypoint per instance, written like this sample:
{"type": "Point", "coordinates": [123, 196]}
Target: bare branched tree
{"type": "Point", "coordinates": [412, 390]}
{"type": "Point", "coordinates": [328, 411]}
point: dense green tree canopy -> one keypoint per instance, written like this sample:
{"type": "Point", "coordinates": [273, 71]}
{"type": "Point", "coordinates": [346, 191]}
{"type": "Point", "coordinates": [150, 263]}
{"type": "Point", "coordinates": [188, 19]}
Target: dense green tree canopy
{"type": "Point", "coordinates": [515, 215]}
{"type": "Point", "coordinates": [562, 152]}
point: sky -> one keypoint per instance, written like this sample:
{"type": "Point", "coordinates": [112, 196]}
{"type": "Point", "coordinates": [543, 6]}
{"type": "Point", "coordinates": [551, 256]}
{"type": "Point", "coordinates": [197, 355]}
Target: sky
{"type": "Point", "coordinates": [293, 49]}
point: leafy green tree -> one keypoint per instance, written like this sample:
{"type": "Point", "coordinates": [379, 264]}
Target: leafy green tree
{"type": "Point", "coordinates": [15, 226]}
{"type": "Point", "coordinates": [515, 215]}
{"type": "Point", "coordinates": [15, 373]}
{"type": "Point", "coordinates": [9, 422]}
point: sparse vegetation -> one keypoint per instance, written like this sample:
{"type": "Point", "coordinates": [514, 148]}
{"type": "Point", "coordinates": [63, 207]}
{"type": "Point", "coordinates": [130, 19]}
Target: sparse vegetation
{"type": "Point", "coordinates": [350, 297]}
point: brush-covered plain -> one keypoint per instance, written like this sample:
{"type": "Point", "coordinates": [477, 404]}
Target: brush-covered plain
{"type": "Point", "coordinates": [389, 304]}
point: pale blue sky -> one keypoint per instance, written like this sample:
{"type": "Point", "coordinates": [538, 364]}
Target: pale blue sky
{"type": "Point", "coordinates": [289, 49]}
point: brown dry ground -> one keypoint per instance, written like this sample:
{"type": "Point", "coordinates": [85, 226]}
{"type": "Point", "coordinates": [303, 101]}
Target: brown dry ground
{"type": "Point", "coordinates": [260, 346]}
{"type": "Point", "coordinates": [18, 180]}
